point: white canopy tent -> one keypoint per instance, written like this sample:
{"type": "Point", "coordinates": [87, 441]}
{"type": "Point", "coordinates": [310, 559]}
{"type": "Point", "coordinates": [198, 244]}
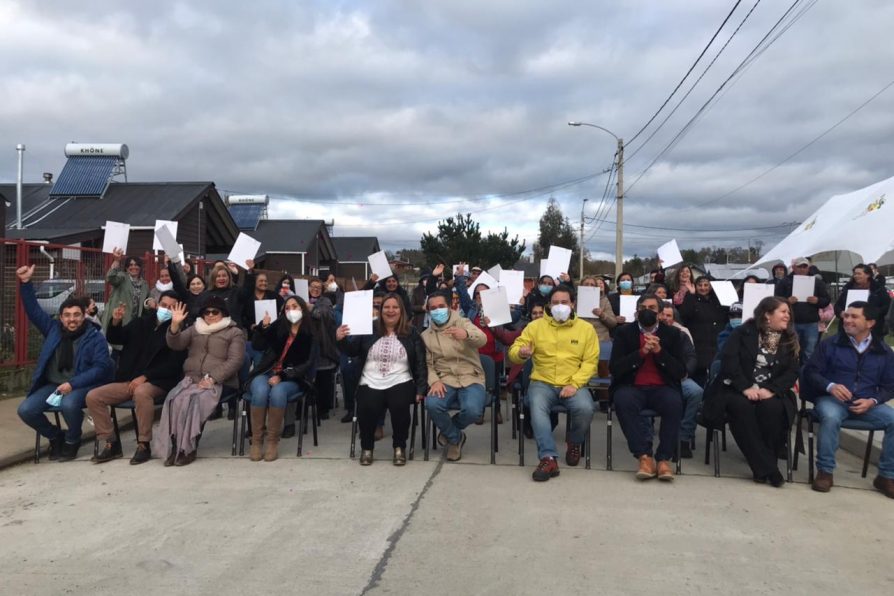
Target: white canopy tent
{"type": "Point", "coordinates": [861, 222]}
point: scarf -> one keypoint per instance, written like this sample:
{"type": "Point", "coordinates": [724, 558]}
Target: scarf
{"type": "Point", "coordinates": [136, 286]}
{"type": "Point", "coordinates": [164, 287]}
{"type": "Point", "coordinates": [203, 328]}
{"type": "Point", "coordinates": [66, 346]}
{"type": "Point", "coordinates": [769, 340]}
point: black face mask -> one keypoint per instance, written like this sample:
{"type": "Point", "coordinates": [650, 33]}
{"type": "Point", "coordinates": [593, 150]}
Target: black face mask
{"type": "Point", "coordinates": [647, 318]}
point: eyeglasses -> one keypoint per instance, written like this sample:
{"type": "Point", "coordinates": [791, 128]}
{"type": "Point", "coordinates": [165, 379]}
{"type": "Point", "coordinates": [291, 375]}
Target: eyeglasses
{"type": "Point", "coordinates": [210, 312]}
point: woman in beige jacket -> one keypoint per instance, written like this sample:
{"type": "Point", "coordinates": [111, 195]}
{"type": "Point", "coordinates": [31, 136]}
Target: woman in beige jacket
{"type": "Point", "coordinates": [216, 352]}
{"type": "Point", "coordinates": [603, 318]}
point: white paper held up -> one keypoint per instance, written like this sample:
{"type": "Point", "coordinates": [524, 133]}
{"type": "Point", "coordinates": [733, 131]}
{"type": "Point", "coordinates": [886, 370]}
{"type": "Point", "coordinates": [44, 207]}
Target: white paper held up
{"type": "Point", "coordinates": [263, 307]}
{"type": "Point", "coordinates": [302, 290]}
{"type": "Point", "coordinates": [245, 248]}
{"type": "Point", "coordinates": [358, 308]}
{"type": "Point", "coordinates": [378, 262]}
{"type": "Point", "coordinates": [803, 286]}
{"type": "Point", "coordinates": [116, 236]}
{"type": "Point", "coordinates": [628, 307]}
{"type": "Point", "coordinates": [495, 306]}
{"type": "Point", "coordinates": [726, 292]}
{"type": "Point", "coordinates": [557, 263]}
{"type": "Point", "coordinates": [669, 253]}
{"type": "Point", "coordinates": [156, 241]}
{"type": "Point", "coordinates": [856, 296]}
{"type": "Point", "coordinates": [165, 238]}
{"type": "Point", "coordinates": [495, 271]}
{"type": "Point", "coordinates": [514, 282]}
{"type": "Point", "coordinates": [587, 299]}
{"type": "Point", "coordinates": [752, 296]}
{"type": "Point", "coordinates": [485, 279]}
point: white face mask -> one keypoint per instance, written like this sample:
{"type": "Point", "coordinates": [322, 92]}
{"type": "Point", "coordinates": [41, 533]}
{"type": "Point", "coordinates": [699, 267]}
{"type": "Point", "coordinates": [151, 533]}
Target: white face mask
{"type": "Point", "coordinates": [294, 315]}
{"type": "Point", "coordinates": [560, 312]}
{"type": "Point", "coordinates": [332, 287]}
{"type": "Point", "coordinates": [164, 287]}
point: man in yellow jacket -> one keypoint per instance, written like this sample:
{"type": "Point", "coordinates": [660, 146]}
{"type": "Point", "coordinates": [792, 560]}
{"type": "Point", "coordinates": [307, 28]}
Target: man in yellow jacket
{"type": "Point", "coordinates": [565, 350]}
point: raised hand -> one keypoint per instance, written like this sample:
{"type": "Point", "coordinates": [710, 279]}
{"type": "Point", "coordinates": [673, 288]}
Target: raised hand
{"type": "Point", "coordinates": [178, 315]}
{"type": "Point", "coordinates": [265, 322]}
{"type": "Point", "coordinates": [438, 270]}
{"type": "Point", "coordinates": [374, 278]}
{"type": "Point", "coordinates": [24, 273]}
{"type": "Point", "coordinates": [342, 332]}
{"type": "Point", "coordinates": [249, 264]}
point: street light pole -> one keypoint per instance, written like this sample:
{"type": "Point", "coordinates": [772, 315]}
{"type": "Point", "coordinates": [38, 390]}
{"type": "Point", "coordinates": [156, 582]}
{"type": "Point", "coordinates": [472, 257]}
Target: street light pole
{"type": "Point", "coordinates": [619, 196]}
{"type": "Point", "coordinates": [580, 271]}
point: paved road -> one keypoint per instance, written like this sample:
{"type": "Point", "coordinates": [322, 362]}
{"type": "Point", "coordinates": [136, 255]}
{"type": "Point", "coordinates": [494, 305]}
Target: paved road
{"type": "Point", "coordinates": [324, 525]}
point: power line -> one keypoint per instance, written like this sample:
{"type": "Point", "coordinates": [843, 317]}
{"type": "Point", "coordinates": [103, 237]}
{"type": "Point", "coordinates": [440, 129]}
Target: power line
{"type": "Point", "coordinates": [752, 54]}
{"type": "Point", "coordinates": [688, 72]}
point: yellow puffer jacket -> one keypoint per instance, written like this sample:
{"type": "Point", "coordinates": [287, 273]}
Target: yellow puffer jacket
{"type": "Point", "coordinates": [564, 353]}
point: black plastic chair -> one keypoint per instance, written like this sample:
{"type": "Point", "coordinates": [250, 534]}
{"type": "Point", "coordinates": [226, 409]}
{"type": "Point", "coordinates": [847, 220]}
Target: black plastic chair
{"type": "Point", "coordinates": [557, 409]}
{"type": "Point", "coordinates": [715, 439]}
{"type": "Point", "coordinates": [352, 453]}
{"type": "Point", "coordinates": [811, 416]}
{"type": "Point", "coordinates": [647, 413]}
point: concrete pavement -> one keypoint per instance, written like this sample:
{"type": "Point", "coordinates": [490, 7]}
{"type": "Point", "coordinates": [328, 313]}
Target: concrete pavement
{"type": "Point", "coordinates": [324, 525]}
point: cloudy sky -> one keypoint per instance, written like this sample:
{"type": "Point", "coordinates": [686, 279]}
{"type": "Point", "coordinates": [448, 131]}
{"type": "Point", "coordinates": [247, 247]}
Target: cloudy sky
{"type": "Point", "coordinates": [387, 116]}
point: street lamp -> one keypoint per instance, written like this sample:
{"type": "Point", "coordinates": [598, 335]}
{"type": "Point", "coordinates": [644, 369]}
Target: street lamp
{"type": "Point", "coordinates": [619, 220]}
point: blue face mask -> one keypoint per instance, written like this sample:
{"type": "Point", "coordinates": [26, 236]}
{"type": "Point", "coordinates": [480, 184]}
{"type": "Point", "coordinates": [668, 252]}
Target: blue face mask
{"type": "Point", "coordinates": [735, 323]}
{"type": "Point", "coordinates": [163, 314]}
{"type": "Point", "coordinates": [625, 285]}
{"type": "Point", "coordinates": [439, 315]}
{"type": "Point", "coordinates": [545, 289]}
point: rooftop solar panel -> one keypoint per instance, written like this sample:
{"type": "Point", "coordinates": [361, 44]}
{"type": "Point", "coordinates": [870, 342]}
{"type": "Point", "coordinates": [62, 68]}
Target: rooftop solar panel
{"type": "Point", "coordinates": [84, 177]}
{"type": "Point", "coordinates": [247, 216]}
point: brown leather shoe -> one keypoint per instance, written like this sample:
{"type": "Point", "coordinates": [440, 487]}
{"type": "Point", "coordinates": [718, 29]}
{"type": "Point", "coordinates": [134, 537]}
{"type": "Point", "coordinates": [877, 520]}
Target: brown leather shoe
{"type": "Point", "coordinates": [455, 452]}
{"type": "Point", "coordinates": [823, 482]}
{"type": "Point", "coordinates": [646, 469]}
{"type": "Point", "coordinates": [665, 471]}
{"type": "Point", "coordinates": [885, 486]}
{"type": "Point", "coordinates": [366, 457]}
{"type": "Point", "coordinates": [572, 454]}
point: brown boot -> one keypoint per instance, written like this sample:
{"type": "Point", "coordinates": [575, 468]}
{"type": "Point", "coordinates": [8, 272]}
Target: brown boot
{"type": "Point", "coordinates": [884, 485]}
{"type": "Point", "coordinates": [665, 471]}
{"type": "Point", "coordinates": [647, 468]}
{"type": "Point", "coordinates": [274, 431]}
{"type": "Point", "coordinates": [258, 415]}
{"type": "Point", "coordinates": [823, 482]}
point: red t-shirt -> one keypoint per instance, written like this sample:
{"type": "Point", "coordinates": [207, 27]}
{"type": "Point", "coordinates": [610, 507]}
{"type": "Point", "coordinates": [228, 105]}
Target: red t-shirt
{"type": "Point", "coordinates": [648, 375]}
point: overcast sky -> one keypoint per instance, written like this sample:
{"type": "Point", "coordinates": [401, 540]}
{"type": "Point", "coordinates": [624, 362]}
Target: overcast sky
{"type": "Point", "coordinates": [390, 115]}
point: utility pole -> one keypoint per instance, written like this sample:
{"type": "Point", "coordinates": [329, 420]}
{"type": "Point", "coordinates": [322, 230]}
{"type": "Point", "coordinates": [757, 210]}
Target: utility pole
{"type": "Point", "coordinates": [619, 220]}
{"type": "Point", "coordinates": [21, 151]}
{"type": "Point", "coordinates": [580, 271]}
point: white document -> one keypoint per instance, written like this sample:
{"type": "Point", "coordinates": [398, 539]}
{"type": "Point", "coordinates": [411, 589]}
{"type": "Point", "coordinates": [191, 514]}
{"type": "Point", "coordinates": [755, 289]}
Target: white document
{"type": "Point", "coordinates": [587, 299]}
{"type": "Point", "coordinates": [514, 282]}
{"type": "Point", "coordinates": [115, 237]}
{"type": "Point", "coordinates": [301, 289]}
{"type": "Point", "coordinates": [495, 306]}
{"type": "Point", "coordinates": [495, 271]}
{"type": "Point", "coordinates": [669, 254]}
{"type": "Point", "coordinates": [628, 307]}
{"type": "Point", "coordinates": [486, 279]}
{"type": "Point", "coordinates": [378, 262]}
{"type": "Point", "coordinates": [803, 286]}
{"type": "Point", "coordinates": [358, 309]}
{"type": "Point", "coordinates": [164, 237]}
{"type": "Point", "coordinates": [752, 296]}
{"type": "Point", "coordinates": [458, 270]}
{"type": "Point", "coordinates": [156, 241]}
{"type": "Point", "coordinates": [245, 248]}
{"type": "Point", "coordinates": [558, 262]}
{"type": "Point", "coordinates": [856, 296]}
{"type": "Point", "coordinates": [726, 292]}
{"type": "Point", "coordinates": [265, 307]}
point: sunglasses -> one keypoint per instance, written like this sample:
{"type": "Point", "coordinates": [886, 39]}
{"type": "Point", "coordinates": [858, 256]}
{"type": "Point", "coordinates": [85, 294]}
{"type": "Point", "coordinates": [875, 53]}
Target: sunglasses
{"type": "Point", "coordinates": [211, 311]}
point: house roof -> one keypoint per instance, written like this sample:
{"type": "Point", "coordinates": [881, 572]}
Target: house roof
{"type": "Point", "coordinates": [293, 235]}
{"type": "Point", "coordinates": [355, 249]}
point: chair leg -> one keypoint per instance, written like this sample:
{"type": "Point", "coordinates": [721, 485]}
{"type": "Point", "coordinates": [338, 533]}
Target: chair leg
{"type": "Point", "coordinates": [678, 458]}
{"type": "Point", "coordinates": [788, 457]}
{"type": "Point", "coordinates": [423, 425]}
{"type": "Point", "coordinates": [136, 426]}
{"type": "Point", "coordinates": [709, 435]}
{"type": "Point", "coordinates": [354, 429]}
{"type": "Point", "coordinates": [240, 405]}
{"type": "Point", "coordinates": [428, 443]}
{"type": "Point", "coordinates": [513, 411]}
{"type": "Point", "coordinates": [413, 423]}
{"type": "Point", "coordinates": [608, 440]}
{"type": "Point", "coordinates": [36, 447]}
{"type": "Point", "coordinates": [493, 431]}
{"type": "Point", "coordinates": [716, 439]}
{"type": "Point", "coordinates": [587, 446]}
{"type": "Point", "coordinates": [723, 436]}
{"type": "Point", "coordinates": [810, 450]}
{"type": "Point", "coordinates": [114, 413]}
{"type": "Point", "coordinates": [243, 415]}
{"type": "Point", "coordinates": [521, 436]}
{"type": "Point", "coordinates": [795, 460]}
{"type": "Point", "coordinates": [868, 453]}
{"type": "Point", "coordinates": [316, 416]}
{"type": "Point", "coordinates": [301, 423]}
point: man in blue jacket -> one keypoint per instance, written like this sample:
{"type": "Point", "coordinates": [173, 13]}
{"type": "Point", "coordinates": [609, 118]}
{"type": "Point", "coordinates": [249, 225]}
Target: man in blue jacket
{"type": "Point", "coordinates": [850, 377]}
{"type": "Point", "coordinates": [73, 360]}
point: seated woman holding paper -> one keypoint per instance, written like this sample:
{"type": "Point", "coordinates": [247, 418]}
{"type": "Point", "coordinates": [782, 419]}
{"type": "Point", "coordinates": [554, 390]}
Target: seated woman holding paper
{"type": "Point", "coordinates": [394, 373]}
{"type": "Point", "coordinates": [603, 319]}
{"type": "Point", "coordinates": [705, 318]}
{"type": "Point", "coordinates": [289, 352]}
{"type": "Point", "coordinates": [625, 288]}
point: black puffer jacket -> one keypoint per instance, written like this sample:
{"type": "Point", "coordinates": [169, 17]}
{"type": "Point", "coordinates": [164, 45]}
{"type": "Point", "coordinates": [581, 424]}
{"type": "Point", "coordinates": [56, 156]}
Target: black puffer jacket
{"type": "Point", "coordinates": [301, 357]}
{"type": "Point", "coordinates": [705, 318]}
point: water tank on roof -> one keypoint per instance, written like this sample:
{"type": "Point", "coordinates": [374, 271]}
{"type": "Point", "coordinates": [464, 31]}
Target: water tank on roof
{"type": "Point", "coordinates": [97, 150]}
{"type": "Point", "coordinates": [248, 200]}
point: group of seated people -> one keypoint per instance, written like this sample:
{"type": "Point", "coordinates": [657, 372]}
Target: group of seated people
{"type": "Point", "coordinates": [185, 344]}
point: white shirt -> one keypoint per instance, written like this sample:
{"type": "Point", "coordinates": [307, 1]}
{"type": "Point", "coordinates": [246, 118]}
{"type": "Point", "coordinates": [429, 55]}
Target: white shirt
{"type": "Point", "coordinates": [386, 364]}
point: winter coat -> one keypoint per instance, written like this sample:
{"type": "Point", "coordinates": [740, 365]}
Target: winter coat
{"type": "Point", "coordinates": [705, 318]}
{"type": "Point", "coordinates": [300, 361]}
{"type": "Point", "coordinates": [804, 312]}
{"type": "Point", "coordinates": [878, 298]}
{"type": "Point", "coordinates": [835, 360]}
{"type": "Point", "coordinates": [323, 325]}
{"type": "Point", "coordinates": [626, 358]}
{"type": "Point", "coordinates": [92, 364]}
{"type": "Point", "coordinates": [247, 301]}
{"type": "Point", "coordinates": [146, 352]}
{"type": "Point", "coordinates": [122, 291]}
{"type": "Point", "coordinates": [565, 353]}
{"type": "Point", "coordinates": [454, 362]}
{"type": "Point", "coordinates": [219, 354]}
{"type": "Point", "coordinates": [360, 345]}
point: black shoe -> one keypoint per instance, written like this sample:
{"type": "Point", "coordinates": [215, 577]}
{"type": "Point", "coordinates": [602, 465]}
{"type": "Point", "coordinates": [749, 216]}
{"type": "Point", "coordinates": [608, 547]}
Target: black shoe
{"type": "Point", "coordinates": [348, 417]}
{"type": "Point", "coordinates": [110, 450]}
{"type": "Point", "coordinates": [217, 413]}
{"type": "Point", "coordinates": [288, 431]}
{"type": "Point", "coordinates": [141, 455]}
{"type": "Point", "coordinates": [69, 451]}
{"type": "Point", "coordinates": [685, 450]}
{"type": "Point", "coordinates": [184, 459]}
{"type": "Point", "coordinates": [231, 413]}
{"type": "Point", "coordinates": [324, 414]}
{"type": "Point", "coordinates": [776, 479]}
{"type": "Point", "coordinates": [56, 447]}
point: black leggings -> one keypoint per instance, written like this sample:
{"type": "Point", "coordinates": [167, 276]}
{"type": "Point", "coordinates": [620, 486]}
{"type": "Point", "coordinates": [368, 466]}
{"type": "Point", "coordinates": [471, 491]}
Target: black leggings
{"type": "Point", "coordinates": [371, 406]}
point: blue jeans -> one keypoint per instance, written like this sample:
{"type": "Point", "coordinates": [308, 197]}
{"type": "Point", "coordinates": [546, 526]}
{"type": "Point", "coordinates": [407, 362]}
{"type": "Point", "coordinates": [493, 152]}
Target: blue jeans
{"type": "Point", "coordinates": [832, 413]}
{"type": "Point", "coordinates": [263, 395]}
{"type": "Point", "coordinates": [808, 337]}
{"type": "Point", "coordinates": [541, 398]}
{"type": "Point", "coordinates": [31, 411]}
{"type": "Point", "coordinates": [470, 402]}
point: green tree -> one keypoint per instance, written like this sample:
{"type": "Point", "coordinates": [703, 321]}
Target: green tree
{"type": "Point", "coordinates": [459, 239]}
{"type": "Point", "coordinates": [556, 230]}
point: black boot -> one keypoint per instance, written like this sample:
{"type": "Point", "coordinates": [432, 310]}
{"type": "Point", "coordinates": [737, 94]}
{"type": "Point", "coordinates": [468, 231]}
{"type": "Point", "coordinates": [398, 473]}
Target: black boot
{"type": "Point", "coordinates": [110, 450]}
{"type": "Point", "coordinates": [69, 451]}
{"type": "Point", "coordinates": [56, 447]}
